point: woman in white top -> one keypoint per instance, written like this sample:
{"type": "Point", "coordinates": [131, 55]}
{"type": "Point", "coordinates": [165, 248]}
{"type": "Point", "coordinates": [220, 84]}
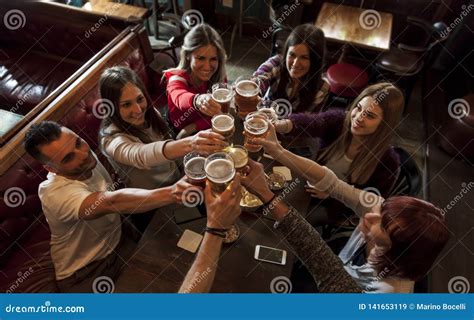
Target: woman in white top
{"type": "Point", "coordinates": [135, 137]}
{"type": "Point", "coordinates": [137, 141]}
{"type": "Point", "coordinates": [396, 241]}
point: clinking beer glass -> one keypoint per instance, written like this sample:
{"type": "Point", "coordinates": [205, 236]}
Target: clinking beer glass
{"type": "Point", "coordinates": [240, 156]}
{"type": "Point", "coordinates": [222, 93]}
{"type": "Point", "coordinates": [246, 95]}
{"type": "Point", "coordinates": [268, 108]}
{"type": "Point", "coordinates": [224, 125]}
{"type": "Point", "coordinates": [220, 171]}
{"type": "Point", "coordinates": [194, 169]}
{"type": "Point", "coordinates": [255, 126]}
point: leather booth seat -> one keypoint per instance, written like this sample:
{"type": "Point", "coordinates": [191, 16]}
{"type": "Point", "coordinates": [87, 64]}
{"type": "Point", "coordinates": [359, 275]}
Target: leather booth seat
{"type": "Point", "coordinates": [25, 260]}
{"type": "Point", "coordinates": [50, 46]}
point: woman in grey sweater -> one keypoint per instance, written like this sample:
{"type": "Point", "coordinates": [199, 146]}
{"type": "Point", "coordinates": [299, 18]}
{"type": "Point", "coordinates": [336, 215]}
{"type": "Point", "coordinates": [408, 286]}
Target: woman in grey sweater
{"type": "Point", "coordinates": [137, 140]}
{"type": "Point", "coordinates": [395, 243]}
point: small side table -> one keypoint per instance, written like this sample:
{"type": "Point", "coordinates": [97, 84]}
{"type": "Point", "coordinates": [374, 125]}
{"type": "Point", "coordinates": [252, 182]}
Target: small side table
{"type": "Point", "coordinates": [118, 10]}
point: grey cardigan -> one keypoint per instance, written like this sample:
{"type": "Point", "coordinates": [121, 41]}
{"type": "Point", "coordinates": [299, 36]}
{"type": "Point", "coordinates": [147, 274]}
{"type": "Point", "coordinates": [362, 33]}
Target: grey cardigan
{"type": "Point", "coordinates": [140, 165]}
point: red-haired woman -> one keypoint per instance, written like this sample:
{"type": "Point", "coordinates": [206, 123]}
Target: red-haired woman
{"type": "Point", "coordinates": [396, 242]}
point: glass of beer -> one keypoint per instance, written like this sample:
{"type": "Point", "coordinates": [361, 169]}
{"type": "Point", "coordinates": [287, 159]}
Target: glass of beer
{"type": "Point", "coordinates": [246, 95]}
{"type": "Point", "coordinates": [194, 169]}
{"type": "Point", "coordinates": [255, 126]}
{"type": "Point", "coordinates": [240, 156]}
{"type": "Point", "coordinates": [224, 125]}
{"type": "Point", "coordinates": [268, 108]}
{"type": "Point", "coordinates": [222, 93]}
{"type": "Point", "coordinates": [220, 171]}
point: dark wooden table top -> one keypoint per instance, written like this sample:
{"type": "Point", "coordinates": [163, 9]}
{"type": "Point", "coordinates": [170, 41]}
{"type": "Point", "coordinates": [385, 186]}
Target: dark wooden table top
{"type": "Point", "coordinates": [158, 265]}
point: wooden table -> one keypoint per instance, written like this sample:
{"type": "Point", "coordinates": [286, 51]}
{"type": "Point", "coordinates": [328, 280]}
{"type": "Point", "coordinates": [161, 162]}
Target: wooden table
{"type": "Point", "coordinates": [160, 266]}
{"type": "Point", "coordinates": [346, 24]}
{"type": "Point", "coordinates": [114, 9]}
{"type": "Point", "coordinates": [8, 120]}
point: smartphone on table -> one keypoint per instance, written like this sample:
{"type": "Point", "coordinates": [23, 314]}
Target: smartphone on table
{"type": "Point", "coordinates": [271, 255]}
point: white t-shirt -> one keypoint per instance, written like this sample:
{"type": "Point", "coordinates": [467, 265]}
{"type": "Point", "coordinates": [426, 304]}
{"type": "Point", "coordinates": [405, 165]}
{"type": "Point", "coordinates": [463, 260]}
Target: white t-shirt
{"type": "Point", "coordinates": [75, 242]}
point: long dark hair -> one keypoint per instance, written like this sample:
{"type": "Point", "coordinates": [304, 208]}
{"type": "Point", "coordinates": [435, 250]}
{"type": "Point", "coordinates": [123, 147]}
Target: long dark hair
{"type": "Point", "coordinates": [312, 82]}
{"type": "Point", "coordinates": [390, 99]}
{"type": "Point", "coordinates": [111, 83]}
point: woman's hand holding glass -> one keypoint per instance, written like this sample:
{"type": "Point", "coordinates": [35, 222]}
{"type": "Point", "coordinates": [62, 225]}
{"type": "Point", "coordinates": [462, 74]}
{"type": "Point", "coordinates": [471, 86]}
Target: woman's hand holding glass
{"type": "Point", "coordinates": [206, 105]}
{"type": "Point", "coordinates": [207, 142]}
{"type": "Point", "coordinates": [270, 143]}
{"type": "Point", "coordinates": [255, 181]}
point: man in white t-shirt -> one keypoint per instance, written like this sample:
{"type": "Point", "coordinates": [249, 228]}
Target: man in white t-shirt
{"type": "Point", "coordinates": [82, 208]}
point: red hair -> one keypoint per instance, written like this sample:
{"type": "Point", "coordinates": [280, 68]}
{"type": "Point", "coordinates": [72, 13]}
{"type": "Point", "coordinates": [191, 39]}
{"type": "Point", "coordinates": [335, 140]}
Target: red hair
{"type": "Point", "coordinates": [418, 233]}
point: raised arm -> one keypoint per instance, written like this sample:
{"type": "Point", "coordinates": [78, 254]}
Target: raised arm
{"type": "Point", "coordinates": [321, 177]}
{"type": "Point", "coordinates": [325, 267]}
{"type": "Point", "coordinates": [268, 72]}
{"type": "Point", "coordinates": [178, 89]}
{"type": "Point", "coordinates": [222, 210]}
{"type": "Point", "coordinates": [326, 125]}
{"type": "Point", "coordinates": [130, 200]}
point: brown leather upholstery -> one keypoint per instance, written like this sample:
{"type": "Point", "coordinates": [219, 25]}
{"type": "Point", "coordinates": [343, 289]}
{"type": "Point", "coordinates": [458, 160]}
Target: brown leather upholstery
{"type": "Point", "coordinates": [53, 44]}
{"type": "Point", "coordinates": [400, 62]}
{"type": "Point", "coordinates": [25, 261]}
{"type": "Point", "coordinates": [457, 136]}
{"type": "Point", "coordinates": [28, 77]}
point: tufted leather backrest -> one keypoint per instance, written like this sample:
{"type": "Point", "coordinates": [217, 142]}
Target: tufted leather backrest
{"type": "Point", "coordinates": [20, 208]}
{"type": "Point", "coordinates": [44, 29]}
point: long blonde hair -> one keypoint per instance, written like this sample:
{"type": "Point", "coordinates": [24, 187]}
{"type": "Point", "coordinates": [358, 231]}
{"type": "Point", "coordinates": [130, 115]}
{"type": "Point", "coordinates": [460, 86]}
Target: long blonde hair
{"type": "Point", "coordinates": [200, 36]}
{"type": "Point", "coordinates": [390, 99]}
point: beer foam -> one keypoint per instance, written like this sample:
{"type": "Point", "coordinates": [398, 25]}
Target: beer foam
{"type": "Point", "coordinates": [220, 170]}
{"type": "Point", "coordinates": [222, 95]}
{"type": "Point", "coordinates": [195, 166]}
{"type": "Point", "coordinates": [270, 114]}
{"type": "Point", "coordinates": [223, 122]}
{"type": "Point", "coordinates": [247, 88]}
{"type": "Point", "coordinates": [239, 156]}
{"type": "Point", "coordinates": [256, 125]}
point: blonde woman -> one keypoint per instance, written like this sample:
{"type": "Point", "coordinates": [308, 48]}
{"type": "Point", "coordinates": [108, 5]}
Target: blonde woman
{"type": "Point", "coordinates": [202, 64]}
